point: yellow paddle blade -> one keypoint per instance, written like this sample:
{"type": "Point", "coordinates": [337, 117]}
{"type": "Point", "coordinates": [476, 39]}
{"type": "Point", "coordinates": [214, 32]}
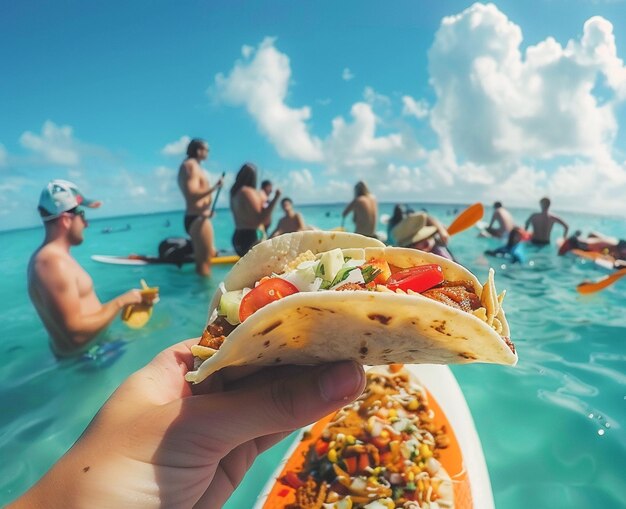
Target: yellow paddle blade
{"type": "Point", "coordinates": [136, 315]}
{"type": "Point", "coordinates": [589, 287]}
{"type": "Point", "coordinates": [466, 219]}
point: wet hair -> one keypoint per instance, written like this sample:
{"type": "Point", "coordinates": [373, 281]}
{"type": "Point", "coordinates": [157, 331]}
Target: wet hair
{"type": "Point", "coordinates": [265, 183]}
{"type": "Point", "coordinates": [545, 202]}
{"type": "Point", "coordinates": [194, 145]}
{"type": "Point", "coordinates": [246, 176]}
{"type": "Point", "coordinates": [397, 216]}
{"type": "Point", "coordinates": [361, 189]}
{"type": "Point", "coordinates": [497, 205]}
{"type": "Point", "coordinates": [285, 200]}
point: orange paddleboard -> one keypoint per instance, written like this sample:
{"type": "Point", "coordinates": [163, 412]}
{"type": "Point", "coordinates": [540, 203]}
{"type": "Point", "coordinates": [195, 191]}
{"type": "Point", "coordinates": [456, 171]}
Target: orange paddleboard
{"type": "Point", "coordinates": [463, 459]}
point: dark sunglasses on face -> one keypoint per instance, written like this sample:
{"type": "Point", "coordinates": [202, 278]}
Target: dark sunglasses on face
{"type": "Point", "coordinates": [77, 211]}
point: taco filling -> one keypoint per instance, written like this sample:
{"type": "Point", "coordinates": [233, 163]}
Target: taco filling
{"type": "Point", "coordinates": [340, 270]}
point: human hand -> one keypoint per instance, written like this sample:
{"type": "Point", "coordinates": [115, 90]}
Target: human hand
{"type": "Point", "coordinates": [277, 194]}
{"type": "Point", "coordinates": [158, 442]}
{"type": "Point", "coordinates": [131, 297]}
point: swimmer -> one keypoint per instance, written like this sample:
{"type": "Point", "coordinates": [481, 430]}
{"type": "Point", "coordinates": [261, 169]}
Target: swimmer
{"type": "Point", "coordinates": [542, 223]}
{"type": "Point", "coordinates": [291, 222]}
{"type": "Point", "coordinates": [503, 219]}
{"type": "Point", "coordinates": [365, 210]}
{"type": "Point", "coordinates": [513, 248]}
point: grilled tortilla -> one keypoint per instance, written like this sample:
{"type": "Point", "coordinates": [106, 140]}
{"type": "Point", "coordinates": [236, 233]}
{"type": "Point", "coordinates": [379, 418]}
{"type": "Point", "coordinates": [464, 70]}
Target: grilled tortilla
{"type": "Point", "coordinates": [372, 326]}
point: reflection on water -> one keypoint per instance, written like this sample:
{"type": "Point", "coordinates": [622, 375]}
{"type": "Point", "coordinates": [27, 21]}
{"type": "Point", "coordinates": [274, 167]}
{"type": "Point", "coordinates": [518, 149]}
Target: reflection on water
{"type": "Point", "coordinates": [552, 428]}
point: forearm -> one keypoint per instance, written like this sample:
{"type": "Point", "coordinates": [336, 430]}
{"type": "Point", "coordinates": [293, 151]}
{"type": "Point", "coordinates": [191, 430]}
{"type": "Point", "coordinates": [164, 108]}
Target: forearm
{"type": "Point", "coordinates": [86, 327]}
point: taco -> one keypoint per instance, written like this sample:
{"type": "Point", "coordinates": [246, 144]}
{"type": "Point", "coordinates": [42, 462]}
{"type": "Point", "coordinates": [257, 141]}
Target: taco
{"type": "Point", "coordinates": [315, 297]}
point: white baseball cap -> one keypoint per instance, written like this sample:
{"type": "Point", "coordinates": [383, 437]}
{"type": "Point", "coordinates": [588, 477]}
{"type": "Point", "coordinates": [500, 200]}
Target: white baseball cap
{"type": "Point", "coordinates": [60, 196]}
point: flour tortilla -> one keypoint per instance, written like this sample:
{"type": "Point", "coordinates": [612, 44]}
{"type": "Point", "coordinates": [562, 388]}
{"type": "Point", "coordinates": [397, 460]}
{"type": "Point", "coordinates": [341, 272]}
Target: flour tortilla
{"type": "Point", "coordinates": [369, 327]}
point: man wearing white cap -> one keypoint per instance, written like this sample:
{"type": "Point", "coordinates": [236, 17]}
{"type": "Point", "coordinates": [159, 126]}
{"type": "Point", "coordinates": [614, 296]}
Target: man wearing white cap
{"type": "Point", "coordinates": [60, 289]}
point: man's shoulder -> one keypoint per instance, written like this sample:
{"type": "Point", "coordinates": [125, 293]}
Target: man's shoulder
{"type": "Point", "coordinates": [189, 166]}
{"type": "Point", "coordinates": [52, 260]}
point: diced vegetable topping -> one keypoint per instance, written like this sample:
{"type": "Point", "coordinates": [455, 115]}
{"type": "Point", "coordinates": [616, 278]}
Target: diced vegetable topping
{"type": "Point", "coordinates": [229, 306]}
{"type": "Point", "coordinates": [270, 290]}
{"type": "Point", "coordinates": [418, 279]}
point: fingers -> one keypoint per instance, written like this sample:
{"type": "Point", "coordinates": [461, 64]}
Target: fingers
{"type": "Point", "coordinates": [276, 405]}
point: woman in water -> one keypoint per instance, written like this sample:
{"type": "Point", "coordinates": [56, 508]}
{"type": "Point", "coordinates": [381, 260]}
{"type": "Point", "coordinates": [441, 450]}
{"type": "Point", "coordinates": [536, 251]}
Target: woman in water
{"type": "Point", "coordinates": [247, 206]}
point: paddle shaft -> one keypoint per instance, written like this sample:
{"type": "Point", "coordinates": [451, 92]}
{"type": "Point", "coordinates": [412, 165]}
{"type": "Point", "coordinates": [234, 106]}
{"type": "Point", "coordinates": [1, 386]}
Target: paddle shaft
{"type": "Point", "coordinates": [217, 195]}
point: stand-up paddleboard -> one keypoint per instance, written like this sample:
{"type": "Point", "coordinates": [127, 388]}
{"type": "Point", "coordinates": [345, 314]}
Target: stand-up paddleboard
{"type": "Point", "coordinates": [603, 261]}
{"type": "Point", "coordinates": [462, 481]}
{"type": "Point", "coordinates": [153, 260]}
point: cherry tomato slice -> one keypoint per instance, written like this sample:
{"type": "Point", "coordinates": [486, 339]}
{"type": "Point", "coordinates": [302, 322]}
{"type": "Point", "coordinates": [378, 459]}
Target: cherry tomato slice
{"type": "Point", "coordinates": [268, 291]}
{"type": "Point", "coordinates": [383, 266]}
{"type": "Point", "coordinates": [418, 279]}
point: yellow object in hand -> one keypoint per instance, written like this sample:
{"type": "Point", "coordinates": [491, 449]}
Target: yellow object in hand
{"type": "Point", "coordinates": [136, 316]}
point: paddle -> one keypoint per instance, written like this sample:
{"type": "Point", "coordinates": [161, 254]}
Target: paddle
{"type": "Point", "coordinates": [217, 195]}
{"type": "Point", "coordinates": [466, 219]}
{"type": "Point", "coordinates": [591, 287]}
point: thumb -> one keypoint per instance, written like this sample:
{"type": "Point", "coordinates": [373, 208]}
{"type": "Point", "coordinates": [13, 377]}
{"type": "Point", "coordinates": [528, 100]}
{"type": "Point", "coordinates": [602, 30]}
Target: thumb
{"type": "Point", "coordinates": [222, 421]}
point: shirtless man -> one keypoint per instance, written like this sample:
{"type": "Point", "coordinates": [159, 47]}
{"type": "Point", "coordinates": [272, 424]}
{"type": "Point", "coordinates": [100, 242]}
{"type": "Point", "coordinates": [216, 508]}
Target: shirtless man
{"type": "Point", "coordinates": [197, 193]}
{"type": "Point", "coordinates": [60, 289]}
{"type": "Point", "coordinates": [249, 214]}
{"type": "Point", "coordinates": [542, 223]}
{"type": "Point", "coordinates": [291, 222]}
{"type": "Point", "coordinates": [504, 220]}
{"type": "Point", "coordinates": [365, 210]}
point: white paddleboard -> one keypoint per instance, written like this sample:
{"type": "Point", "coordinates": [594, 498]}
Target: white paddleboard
{"type": "Point", "coordinates": [118, 260]}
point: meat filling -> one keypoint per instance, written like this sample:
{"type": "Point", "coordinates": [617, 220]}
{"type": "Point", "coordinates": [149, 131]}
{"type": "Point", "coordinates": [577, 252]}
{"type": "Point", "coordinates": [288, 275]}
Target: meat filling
{"type": "Point", "coordinates": [216, 332]}
{"type": "Point", "coordinates": [456, 294]}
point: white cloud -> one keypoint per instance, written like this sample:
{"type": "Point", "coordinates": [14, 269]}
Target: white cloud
{"type": "Point", "coordinates": [495, 104]}
{"type": "Point", "coordinates": [347, 74]}
{"type": "Point", "coordinates": [260, 82]}
{"type": "Point", "coordinates": [413, 108]}
{"type": "Point", "coordinates": [176, 148]}
{"type": "Point", "coordinates": [374, 98]}
{"type": "Point", "coordinates": [304, 187]}
{"type": "Point", "coordinates": [356, 147]}
{"type": "Point", "coordinates": [55, 144]}
{"type": "Point", "coordinates": [3, 155]}
{"type": "Point", "coordinates": [511, 124]}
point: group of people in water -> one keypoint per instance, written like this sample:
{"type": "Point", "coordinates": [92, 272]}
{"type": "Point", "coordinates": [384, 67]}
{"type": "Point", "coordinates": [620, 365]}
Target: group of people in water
{"type": "Point", "coordinates": [63, 293]}
{"type": "Point", "coordinates": [153, 410]}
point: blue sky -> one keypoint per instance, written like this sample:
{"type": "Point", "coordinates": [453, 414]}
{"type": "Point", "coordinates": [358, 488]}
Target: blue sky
{"type": "Point", "coordinates": [448, 101]}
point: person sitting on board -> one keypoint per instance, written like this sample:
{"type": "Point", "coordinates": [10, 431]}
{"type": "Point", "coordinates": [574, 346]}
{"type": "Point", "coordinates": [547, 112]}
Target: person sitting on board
{"type": "Point", "coordinates": [514, 248]}
{"type": "Point", "coordinates": [156, 443]}
{"type": "Point", "coordinates": [291, 222]}
{"type": "Point", "coordinates": [419, 230]}
{"type": "Point", "coordinates": [504, 220]}
{"type": "Point", "coordinates": [246, 205]}
{"type": "Point", "coordinates": [542, 223]}
{"type": "Point", "coordinates": [365, 210]}
{"type": "Point", "coordinates": [197, 193]}
{"type": "Point", "coordinates": [59, 288]}
{"type": "Point", "coordinates": [595, 242]}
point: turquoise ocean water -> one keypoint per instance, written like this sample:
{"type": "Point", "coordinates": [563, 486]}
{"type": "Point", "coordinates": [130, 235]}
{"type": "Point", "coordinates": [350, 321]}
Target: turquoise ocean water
{"type": "Point", "coordinates": [552, 428]}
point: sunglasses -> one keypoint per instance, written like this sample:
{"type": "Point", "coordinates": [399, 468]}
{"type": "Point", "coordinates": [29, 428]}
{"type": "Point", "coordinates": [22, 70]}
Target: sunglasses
{"type": "Point", "coordinates": [77, 211]}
